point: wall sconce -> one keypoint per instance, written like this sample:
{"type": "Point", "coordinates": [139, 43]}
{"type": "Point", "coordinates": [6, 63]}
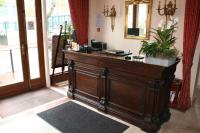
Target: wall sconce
{"type": "Point", "coordinates": [168, 9]}
{"type": "Point", "coordinates": [110, 13]}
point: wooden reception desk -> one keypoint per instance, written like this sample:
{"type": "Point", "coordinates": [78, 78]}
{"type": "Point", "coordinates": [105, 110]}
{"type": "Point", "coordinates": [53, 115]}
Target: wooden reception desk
{"type": "Point", "coordinates": [133, 91]}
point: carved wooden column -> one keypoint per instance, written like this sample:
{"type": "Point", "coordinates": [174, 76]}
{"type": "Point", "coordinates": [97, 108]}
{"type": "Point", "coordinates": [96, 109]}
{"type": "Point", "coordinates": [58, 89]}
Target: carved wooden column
{"type": "Point", "coordinates": [103, 89]}
{"type": "Point", "coordinates": [153, 115]}
{"type": "Point", "coordinates": [71, 91]}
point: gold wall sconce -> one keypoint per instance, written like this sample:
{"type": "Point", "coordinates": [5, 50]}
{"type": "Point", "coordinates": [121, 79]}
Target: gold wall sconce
{"type": "Point", "coordinates": [168, 9]}
{"type": "Point", "coordinates": [110, 13]}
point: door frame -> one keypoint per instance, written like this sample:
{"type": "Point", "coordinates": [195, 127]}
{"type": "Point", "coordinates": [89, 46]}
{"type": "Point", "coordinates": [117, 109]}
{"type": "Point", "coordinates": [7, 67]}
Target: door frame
{"type": "Point", "coordinates": [39, 82]}
{"type": "Point", "coordinates": [27, 84]}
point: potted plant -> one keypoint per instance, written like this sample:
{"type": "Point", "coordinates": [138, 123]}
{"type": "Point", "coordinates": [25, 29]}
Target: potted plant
{"type": "Point", "coordinates": [161, 51]}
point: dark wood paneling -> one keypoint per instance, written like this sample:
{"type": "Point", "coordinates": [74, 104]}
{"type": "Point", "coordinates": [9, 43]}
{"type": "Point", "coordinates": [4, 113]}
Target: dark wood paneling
{"type": "Point", "coordinates": [127, 95]}
{"type": "Point", "coordinates": [59, 77]}
{"type": "Point", "coordinates": [87, 83]}
{"type": "Point", "coordinates": [11, 90]}
{"type": "Point", "coordinates": [117, 64]}
{"type": "Point", "coordinates": [133, 91]}
{"type": "Point", "coordinates": [23, 42]}
{"type": "Point", "coordinates": [38, 12]}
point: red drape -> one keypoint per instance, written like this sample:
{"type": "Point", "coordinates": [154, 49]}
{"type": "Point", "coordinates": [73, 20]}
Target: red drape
{"type": "Point", "coordinates": [191, 34]}
{"type": "Point", "coordinates": [79, 10]}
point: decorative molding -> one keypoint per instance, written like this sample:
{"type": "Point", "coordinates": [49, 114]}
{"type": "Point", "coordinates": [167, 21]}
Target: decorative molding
{"type": "Point", "coordinates": [103, 100]}
{"type": "Point", "coordinates": [104, 72]}
{"type": "Point", "coordinates": [155, 85]}
{"type": "Point", "coordinates": [102, 104]}
{"type": "Point", "coordinates": [71, 90]}
{"type": "Point", "coordinates": [70, 64]}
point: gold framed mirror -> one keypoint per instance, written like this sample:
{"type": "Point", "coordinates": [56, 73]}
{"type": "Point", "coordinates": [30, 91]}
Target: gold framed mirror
{"type": "Point", "coordinates": [137, 19]}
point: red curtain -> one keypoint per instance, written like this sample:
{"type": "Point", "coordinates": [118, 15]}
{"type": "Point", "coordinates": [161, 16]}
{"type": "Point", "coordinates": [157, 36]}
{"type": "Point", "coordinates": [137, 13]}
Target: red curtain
{"type": "Point", "coordinates": [79, 10]}
{"type": "Point", "coordinates": [191, 34]}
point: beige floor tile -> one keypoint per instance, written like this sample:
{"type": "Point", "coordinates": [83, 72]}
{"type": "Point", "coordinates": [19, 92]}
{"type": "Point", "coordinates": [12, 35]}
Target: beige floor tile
{"type": "Point", "coordinates": [180, 122]}
{"type": "Point", "coordinates": [20, 103]}
{"type": "Point", "coordinates": [29, 124]}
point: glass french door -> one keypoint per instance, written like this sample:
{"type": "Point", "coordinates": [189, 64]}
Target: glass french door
{"type": "Point", "coordinates": [21, 46]}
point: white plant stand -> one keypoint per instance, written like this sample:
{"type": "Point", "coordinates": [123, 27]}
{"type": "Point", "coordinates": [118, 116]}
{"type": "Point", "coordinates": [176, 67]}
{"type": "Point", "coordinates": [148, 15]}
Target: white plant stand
{"type": "Point", "coordinates": [160, 61]}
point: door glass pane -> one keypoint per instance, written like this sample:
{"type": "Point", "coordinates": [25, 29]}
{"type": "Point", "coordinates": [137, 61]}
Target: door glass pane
{"type": "Point", "coordinates": [10, 54]}
{"type": "Point", "coordinates": [57, 14]}
{"type": "Point", "coordinates": [32, 38]}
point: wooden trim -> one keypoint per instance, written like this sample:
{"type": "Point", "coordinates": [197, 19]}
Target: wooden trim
{"type": "Point", "coordinates": [28, 83]}
{"type": "Point", "coordinates": [135, 16]}
{"type": "Point", "coordinates": [23, 42]}
{"type": "Point", "coordinates": [17, 88]}
{"type": "Point", "coordinates": [59, 78]}
{"type": "Point", "coordinates": [11, 90]}
{"type": "Point", "coordinates": [37, 84]}
{"type": "Point", "coordinates": [38, 9]}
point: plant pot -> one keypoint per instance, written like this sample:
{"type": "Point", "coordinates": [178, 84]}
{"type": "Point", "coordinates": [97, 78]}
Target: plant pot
{"type": "Point", "coordinates": [160, 61]}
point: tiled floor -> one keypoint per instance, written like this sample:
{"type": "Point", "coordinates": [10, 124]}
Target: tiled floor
{"type": "Point", "coordinates": [28, 122]}
{"type": "Point", "coordinates": [61, 87]}
{"type": "Point", "coordinates": [184, 122]}
{"type": "Point", "coordinates": [27, 101]}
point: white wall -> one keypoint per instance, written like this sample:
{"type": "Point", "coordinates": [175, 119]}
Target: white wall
{"type": "Point", "coordinates": [46, 57]}
{"type": "Point", "coordinates": [115, 40]}
{"type": "Point", "coordinates": [198, 81]}
{"type": "Point", "coordinates": [195, 67]}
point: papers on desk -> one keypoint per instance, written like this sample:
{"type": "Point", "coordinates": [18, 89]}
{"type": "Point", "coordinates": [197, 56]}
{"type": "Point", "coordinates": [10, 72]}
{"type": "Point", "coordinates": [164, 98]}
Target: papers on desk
{"type": "Point", "coordinates": [116, 52]}
{"type": "Point", "coordinates": [113, 51]}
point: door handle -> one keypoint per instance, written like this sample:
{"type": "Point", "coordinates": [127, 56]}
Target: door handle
{"type": "Point", "coordinates": [22, 48]}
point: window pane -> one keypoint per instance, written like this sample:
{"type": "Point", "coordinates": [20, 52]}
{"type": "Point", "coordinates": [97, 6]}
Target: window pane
{"type": "Point", "coordinates": [32, 38]}
{"type": "Point", "coordinates": [57, 14]}
{"type": "Point", "coordinates": [10, 54]}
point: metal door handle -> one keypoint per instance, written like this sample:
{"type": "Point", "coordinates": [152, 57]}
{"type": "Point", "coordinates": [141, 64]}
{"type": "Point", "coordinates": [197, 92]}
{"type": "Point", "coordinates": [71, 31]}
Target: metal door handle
{"type": "Point", "coordinates": [23, 51]}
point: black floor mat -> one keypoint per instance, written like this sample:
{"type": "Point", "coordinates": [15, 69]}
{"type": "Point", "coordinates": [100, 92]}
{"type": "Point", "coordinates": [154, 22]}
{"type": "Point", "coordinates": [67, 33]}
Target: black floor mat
{"type": "Point", "coordinates": [73, 118]}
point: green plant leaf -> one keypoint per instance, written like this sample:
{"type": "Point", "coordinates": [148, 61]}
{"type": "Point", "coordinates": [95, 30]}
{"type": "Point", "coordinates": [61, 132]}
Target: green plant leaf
{"type": "Point", "coordinates": [163, 44]}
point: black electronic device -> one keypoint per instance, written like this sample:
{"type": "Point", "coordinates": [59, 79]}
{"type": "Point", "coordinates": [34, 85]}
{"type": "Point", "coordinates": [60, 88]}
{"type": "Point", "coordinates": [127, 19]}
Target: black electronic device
{"type": "Point", "coordinates": [98, 46]}
{"type": "Point", "coordinates": [134, 31]}
{"type": "Point", "coordinates": [127, 58]}
{"type": "Point", "coordinates": [85, 49]}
